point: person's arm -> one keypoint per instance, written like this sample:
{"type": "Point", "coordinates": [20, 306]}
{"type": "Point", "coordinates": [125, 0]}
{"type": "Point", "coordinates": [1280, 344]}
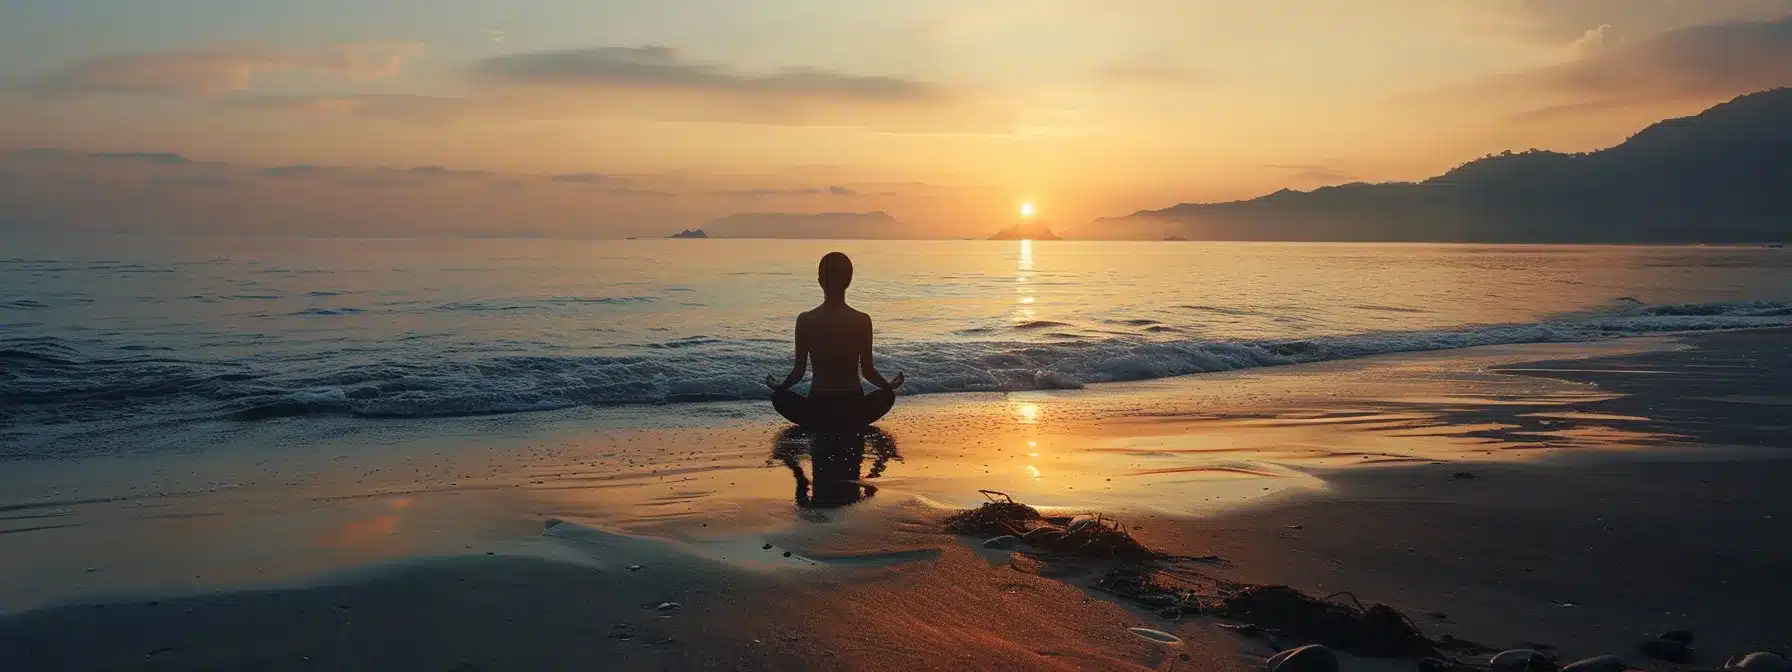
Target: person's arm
{"type": "Point", "coordinates": [868, 369]}
{"type": "Point", "coordinates": [798, 368]}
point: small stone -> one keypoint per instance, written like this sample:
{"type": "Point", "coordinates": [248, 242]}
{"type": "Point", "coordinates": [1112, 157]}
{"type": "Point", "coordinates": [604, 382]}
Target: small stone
{"type": "Point", "coordinates": [634, 568]}
{"type": "Point", "coordinates": [1309, 658]}
{"type": "Point", "coordinates": [1671, 650]}
{"type": "Point", "coordinates": [1598, 664]}
{"type": "Point", "coordinates": [766, 547]}
{"type": "Point", "coordinates": [1759, 661]}
{"type": "Point", "coordinates": [787, 554]}
{"type": "Point", "coordinates": [1004, 542]}
{"type": "Point", "coordinates": [1521, 660]}
{"type": "Point", "coordinates": [1682, 636]}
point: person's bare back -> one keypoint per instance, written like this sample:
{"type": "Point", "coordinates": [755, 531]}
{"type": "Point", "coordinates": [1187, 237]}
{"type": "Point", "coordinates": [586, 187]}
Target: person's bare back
{"type": "Point", "coordinates": [835, 336]}
{"type": "Point", "coordinates": [837, 340]}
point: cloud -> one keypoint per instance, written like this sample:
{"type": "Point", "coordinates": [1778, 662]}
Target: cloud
{"type": "Point", "coordinates": [298, 171]}
{"type": "Point", "coordinates": [1697, 64]}
{"type": "Point", "coordinates": [1593, 41]}
{"type": "Point", "coordinates": [200, 181]}
{"type": "Point", "coordinates": [663, 70]}
{"type": "Point", "coordinates": [215, 71]}
{"type": "Point", "coordinates": [399, 107]}
{"type": "Point", "coordinates": [1562, 21]}
{"type": "Point", "coordinates": [384, 182]}
{"type": "Point", "coordinates": [833, 190]}
{"type": "Point", "coordinates": [441, 172]}
{"type": "Point", "coordinates": [651, 83]}
{"type": "Point", "coordinates": [589, 178]}
{"type": "Point", "coordinates": [158, 158]}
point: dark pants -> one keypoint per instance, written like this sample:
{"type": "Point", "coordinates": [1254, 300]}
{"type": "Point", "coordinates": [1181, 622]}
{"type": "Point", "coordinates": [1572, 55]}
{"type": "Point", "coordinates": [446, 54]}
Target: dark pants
{"type": "Point", "coordinates": [833, 411]}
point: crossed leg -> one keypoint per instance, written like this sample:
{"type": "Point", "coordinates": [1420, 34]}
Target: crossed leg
{"type": "Point", "coordinates": [797, 410]}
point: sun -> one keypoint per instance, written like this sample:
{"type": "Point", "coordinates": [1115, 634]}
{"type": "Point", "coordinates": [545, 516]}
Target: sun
{"type": "Point", "coordinates": [1026, 209]}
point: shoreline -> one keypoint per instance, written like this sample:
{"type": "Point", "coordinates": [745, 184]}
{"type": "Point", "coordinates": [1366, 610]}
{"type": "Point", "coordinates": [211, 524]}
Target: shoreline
{"type": "Point", "coordinates": [1542, 435]}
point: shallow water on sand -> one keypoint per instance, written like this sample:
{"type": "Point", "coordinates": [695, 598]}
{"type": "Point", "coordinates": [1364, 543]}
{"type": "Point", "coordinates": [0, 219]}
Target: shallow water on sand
{"type": "Point", "coordinates": [253, 511]}
{"type": "Point", "coordinates": [142, 343]}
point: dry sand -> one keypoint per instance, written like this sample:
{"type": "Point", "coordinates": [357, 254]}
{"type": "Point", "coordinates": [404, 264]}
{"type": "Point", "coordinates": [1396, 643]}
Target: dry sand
{"type": "Point", "coordinates": [1641, 487]}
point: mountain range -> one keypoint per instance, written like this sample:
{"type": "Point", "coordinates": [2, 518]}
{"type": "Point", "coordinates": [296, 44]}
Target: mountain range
{"type": "Point", "coordinates": [1722, 176]}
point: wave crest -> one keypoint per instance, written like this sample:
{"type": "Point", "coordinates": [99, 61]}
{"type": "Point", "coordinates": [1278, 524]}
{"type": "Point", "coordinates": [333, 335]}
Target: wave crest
{"type": "Point", "coordinates": [48, 381]}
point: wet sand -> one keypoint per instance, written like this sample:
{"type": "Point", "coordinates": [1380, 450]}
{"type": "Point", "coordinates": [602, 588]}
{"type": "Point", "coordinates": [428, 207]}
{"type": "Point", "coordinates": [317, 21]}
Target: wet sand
{"type": "Point", "coordinates": [1636, 481]}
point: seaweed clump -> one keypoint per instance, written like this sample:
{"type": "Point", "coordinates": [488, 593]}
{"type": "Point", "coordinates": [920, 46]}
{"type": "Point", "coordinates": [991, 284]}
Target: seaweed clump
{"type": "Point", "coordinates": [1166, 584]}
{"type": "Point", "coordinates": [996, 516]}
{"type": "Point", "coordinates": [1088, 535]}
{"type": "Point", "coordinates": [1376, 630]}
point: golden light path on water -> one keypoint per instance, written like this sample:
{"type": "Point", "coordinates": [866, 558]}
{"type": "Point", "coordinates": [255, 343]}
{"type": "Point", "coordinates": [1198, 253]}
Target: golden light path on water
{"type": "Point", "coordinates": [1025, 313]}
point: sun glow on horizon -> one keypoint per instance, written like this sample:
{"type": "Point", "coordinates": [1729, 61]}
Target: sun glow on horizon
{"type": "Point", "coordinates": [1026, 209]}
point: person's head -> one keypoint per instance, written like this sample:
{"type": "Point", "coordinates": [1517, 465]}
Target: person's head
{"type": "Point", "coordinates": [834, 274]}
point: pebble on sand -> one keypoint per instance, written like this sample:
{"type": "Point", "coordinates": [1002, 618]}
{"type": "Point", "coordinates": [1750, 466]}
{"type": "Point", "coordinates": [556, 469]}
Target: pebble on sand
{"type": "Point", "coordinates": [1309, 658]}
{"type": "Point", "coordinates": [1671, 650]}
{"type": "Point", "coordinates": [1682, 636]}
{"type": "Point", "coordinates": [1759, 661]}
{"type": "Point", "coordinates": [1521, 660]}
{"type": "Point", "coordinates": [1598, 664]}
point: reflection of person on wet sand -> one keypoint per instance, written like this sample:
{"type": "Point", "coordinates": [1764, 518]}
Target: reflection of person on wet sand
{"type": "Point", "coordinates": [838, 339]}
{"type": "Point", "coordinates": [835, 461]}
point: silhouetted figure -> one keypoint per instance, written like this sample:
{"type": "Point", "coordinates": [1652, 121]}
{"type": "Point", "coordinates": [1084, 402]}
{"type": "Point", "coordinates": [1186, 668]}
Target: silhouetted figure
{"type": "Point", "coordinates": [835, 460]}
{"type": "Point", "coordinates": [838, 339]}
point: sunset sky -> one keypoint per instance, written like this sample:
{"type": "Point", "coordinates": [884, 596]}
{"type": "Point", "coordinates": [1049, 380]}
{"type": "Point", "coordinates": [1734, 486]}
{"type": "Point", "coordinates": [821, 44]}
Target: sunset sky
{"type": "Point", "coordinates": [595, 117]}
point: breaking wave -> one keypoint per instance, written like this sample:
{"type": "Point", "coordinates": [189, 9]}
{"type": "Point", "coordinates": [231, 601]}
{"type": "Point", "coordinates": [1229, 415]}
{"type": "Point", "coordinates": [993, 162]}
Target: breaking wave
{"type": "Point", "coordinates": [49, 380]}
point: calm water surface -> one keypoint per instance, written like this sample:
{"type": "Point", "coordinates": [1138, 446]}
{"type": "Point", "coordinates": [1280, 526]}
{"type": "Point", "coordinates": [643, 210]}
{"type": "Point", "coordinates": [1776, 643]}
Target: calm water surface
{"type": "Point", "coordinates": [134, 332]}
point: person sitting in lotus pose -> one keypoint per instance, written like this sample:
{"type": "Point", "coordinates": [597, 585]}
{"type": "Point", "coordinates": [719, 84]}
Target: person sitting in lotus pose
{"type": "Point", "coordinates": [838, 339]}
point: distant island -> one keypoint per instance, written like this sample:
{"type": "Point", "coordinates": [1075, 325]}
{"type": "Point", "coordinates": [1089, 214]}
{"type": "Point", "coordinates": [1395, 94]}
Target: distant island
{"type": "Point", "coordinates": [689, 233]}
{"type": "Point", "coordinates": [1718, 177]}
{"type": "Point", "coordinates": [835, 225]}
{"type": "Point", "coordinates": [1026, 231]}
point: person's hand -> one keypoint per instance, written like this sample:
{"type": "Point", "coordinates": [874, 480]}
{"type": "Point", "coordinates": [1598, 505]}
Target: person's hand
{"type": "Point", "coordinates": [773, 383]}
{"type": "Point", "coordinates": [896, 382]}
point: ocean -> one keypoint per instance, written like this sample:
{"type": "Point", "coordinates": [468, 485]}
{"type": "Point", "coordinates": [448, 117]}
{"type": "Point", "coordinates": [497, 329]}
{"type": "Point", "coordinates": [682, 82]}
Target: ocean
{"type": "Point", "coordinates": [107, 342]}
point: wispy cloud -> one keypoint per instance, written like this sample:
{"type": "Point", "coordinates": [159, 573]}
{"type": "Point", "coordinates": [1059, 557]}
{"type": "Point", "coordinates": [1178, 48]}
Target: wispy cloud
{"type": "Point", "coordinates": [658, 84]}
{"type": "Point", "coordinates": [216, 71]}
{"type": "Point", "coordinates": [832, 190]}
{"type": "Point", "coordinates": [1695, 64]}
{"type": "Point", "coordinates": [663, 69]}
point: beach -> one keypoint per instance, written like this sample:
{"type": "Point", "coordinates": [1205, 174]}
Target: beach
{"type": "Point", "coordinates": [1575, 496]}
